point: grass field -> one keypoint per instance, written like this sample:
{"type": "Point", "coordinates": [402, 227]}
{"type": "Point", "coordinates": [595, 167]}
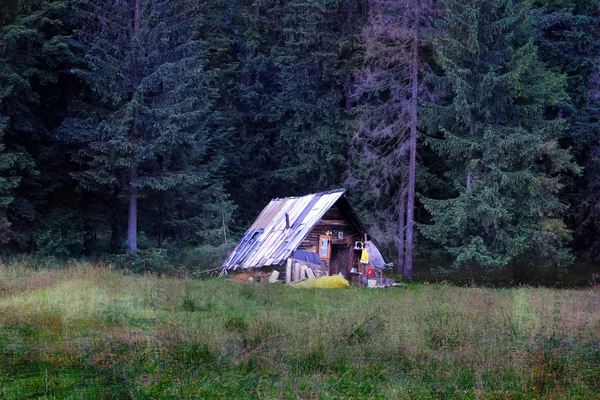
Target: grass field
{"type": "Point", "coordinates": [92, 332]}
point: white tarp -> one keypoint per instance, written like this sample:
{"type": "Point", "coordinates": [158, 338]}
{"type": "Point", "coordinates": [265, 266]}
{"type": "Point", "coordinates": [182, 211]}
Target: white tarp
{"type": "Point", "coordinates": [375, 258]}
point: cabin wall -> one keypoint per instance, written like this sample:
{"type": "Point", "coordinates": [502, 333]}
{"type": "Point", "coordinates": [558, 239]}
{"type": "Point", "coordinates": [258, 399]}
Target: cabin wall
{"type": "Point", "coordinates": [341, 249]}
{"type": "Point", "coordinates": [332, 221]}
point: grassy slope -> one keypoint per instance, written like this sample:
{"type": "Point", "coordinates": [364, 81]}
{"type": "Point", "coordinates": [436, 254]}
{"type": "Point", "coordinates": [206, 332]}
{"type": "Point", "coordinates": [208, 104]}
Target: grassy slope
{"type": "Point", "coordinates": [90, 332]}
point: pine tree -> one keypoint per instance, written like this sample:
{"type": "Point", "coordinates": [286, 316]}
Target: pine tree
{"type": "Point", "coordinates": [286, 70]}
{"type": "Point", "coordinates": [385, 145]}
{"type": "Point", "coordinates": [314, 119]}
{"type": "Point", "coordinates": [500, 146]}
{"type": "Point", "coordinates": [7, 163]}
{"type": "Point", "coordinates": [568, 39]}
{"type": "Point", "coordinates": [586, 196]}
{"type": "Point", "coordinates": [34, 52]}
{"type": "Point", "coordinates": [145, 125]}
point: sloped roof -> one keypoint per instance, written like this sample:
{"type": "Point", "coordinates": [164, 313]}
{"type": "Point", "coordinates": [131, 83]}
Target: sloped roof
{"type": "Point", "coordinates": [268, 242]}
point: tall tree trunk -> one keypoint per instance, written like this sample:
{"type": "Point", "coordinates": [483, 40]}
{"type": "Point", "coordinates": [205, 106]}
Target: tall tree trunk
{"type": "Point", "coordinates": [114, 240]}
{"type": "Point", "coordinates": [348, 92]}
{"type": "Point", "coordinates": [31, 245]}
{"type": "Point", "coordinates": [132, 218]}
{"type": "Point", "coordinates": [161, 219]}
{"type": "Point", "coordinates": [116, 244]}
{"type": "Point", "coordinates": [472, 134]}
{"type": "Point", "coordinates": [412, 166]}
{"type": "Point", "coordinates": [224, 227]}
{"type": "Point", "coordinates": [401, 231]}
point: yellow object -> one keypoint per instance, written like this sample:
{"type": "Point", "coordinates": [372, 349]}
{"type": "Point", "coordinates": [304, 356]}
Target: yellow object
{"type": "Point", "coordinates": [324, 282]}
{"type": "Point", "coordinates": [364, 257]}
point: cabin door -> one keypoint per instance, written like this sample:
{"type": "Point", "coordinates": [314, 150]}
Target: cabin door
{"type": "Point", "coordinates": [341, 260]}
{"type": "Point", "coordinates": [333, 261]}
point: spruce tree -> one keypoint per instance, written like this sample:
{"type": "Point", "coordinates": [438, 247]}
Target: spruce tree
{"type": "Point", "coordinates": [7, 162]}
{"type": "Point", "coordinates": [499, 143]}
{"type": "Point", "coordinates": [568, 36]}
{"type": "Point", "coordinates": [34, 53]}
{"type": "Point", "coordinates": [285, 74]}
{"type": "Point", "coordinates": [144, 124]}
{"type": "Point", "coordinates": [385, 145]}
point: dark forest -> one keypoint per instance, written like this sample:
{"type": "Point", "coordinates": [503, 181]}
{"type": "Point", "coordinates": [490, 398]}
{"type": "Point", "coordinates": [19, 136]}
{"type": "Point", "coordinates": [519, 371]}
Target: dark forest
{"type": "Point", "coordinates": [139, 129]}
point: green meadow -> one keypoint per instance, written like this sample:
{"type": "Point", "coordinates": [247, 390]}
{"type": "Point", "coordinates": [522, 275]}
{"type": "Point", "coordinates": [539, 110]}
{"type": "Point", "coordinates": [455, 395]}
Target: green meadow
{"type": "Point", "coordinates": [91, 332]}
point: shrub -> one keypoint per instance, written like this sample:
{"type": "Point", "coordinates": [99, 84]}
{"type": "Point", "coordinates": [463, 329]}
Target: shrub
{"type": "Point", "coordinates": [200, 258]}
{"type": "Point", "coordinates": [55, 244]}
{"type": "Point", "coordinates": [143, 260]}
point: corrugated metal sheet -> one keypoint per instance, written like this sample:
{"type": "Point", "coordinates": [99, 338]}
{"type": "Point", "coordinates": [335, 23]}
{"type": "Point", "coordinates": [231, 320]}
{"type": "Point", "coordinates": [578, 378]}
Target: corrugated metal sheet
{"type": "Point", "coordinates": [268, 241]}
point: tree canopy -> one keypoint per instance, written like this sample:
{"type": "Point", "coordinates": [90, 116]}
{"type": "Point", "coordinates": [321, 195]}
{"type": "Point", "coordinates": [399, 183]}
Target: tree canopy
{"type": "Point", "coordinates": [146, 124]}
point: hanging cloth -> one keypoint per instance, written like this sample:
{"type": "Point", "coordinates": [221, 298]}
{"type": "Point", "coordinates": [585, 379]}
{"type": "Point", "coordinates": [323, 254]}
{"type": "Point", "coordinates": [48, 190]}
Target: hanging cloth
{"type": "Point", "coordinates": [364, 257]}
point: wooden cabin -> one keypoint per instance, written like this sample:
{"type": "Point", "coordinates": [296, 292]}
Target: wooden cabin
{"type": "Point", "coordinates": [320, 232]}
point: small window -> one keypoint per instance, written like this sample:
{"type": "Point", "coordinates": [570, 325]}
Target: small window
{"type": "Point", "coordinates": [324, 246]}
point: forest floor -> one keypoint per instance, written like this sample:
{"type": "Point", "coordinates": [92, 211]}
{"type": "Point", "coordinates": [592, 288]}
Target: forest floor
{"type": "Point", "coordinates": [89, 331]}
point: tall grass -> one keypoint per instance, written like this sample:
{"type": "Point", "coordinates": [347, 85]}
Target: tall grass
{"type": "Point", "coordinates": [91, 332]}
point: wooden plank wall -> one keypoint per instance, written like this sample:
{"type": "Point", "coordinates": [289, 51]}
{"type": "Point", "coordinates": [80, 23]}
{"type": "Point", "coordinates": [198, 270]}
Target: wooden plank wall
{"type": "Point", "coordinates": [333, 220]}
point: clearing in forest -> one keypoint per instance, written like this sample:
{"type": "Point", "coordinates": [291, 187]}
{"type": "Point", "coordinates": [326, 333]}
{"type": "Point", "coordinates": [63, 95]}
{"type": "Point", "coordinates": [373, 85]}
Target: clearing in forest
{"type": "Point", "coordinates": [93, 332]}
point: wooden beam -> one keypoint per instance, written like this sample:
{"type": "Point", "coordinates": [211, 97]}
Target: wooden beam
{"type": "Point", "coordinates": [288, 270]}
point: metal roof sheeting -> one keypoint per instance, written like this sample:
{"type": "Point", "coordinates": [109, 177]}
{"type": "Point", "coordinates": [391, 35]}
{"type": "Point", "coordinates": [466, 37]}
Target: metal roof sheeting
{"type": "Point", "coordinates": [268, 241]}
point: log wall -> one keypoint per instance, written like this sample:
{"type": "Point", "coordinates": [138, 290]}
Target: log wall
{"type": "Point", "coordinates": [333, 221]}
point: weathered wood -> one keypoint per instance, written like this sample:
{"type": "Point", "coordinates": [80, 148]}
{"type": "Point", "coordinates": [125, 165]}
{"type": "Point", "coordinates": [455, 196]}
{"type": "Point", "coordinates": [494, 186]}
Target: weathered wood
{"type": "Point", "coordinates": [273, 238]}
{"type": "Point", "coordinates": [344, 263]}
{"type": "Point", "coordinates": [291, 224]}
{"type": "Point", "coordinates": [288, 270]}
{"type": "Point", "coordinates": [281, 242]}
{"type": "Point", "coordinates": [333, 213]}
{"type": "Point", "coordinates": [334, 221]}
{"type": "Point", "coordinates": [296, 271]}
{"type": "Point", "coordinates": [207, 271]}
{"type": "Point", "coordinates": [308, 247]}
{"type": "Point", "coordinates": [317, 269]}
{"type": "Point", "coordinates": [303, 273]}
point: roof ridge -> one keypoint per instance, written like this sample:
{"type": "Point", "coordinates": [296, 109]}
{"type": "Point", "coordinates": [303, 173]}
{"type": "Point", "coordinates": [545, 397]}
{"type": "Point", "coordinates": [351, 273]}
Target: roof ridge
{"type": "Point", "coordinates": [343, 190]}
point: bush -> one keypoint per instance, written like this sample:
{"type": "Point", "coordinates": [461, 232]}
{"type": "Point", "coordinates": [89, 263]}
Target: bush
{"type": "Point", "coordinates": [172, 260]}
{"type": "Point", "coordinates": [146, 260]}
{"type": "Point", "coordinates": [55, 244]}
{"type": "Point", "coordinates": [203, 257]}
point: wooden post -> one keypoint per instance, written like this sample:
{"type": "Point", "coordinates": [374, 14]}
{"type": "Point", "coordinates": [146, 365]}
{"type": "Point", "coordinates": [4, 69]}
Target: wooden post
{"type": "Point", "coordinates": [288, 270]}
{"type": "Point", "coordinates": [296, 271]}
{"type": "Point", "coordinates": [303, 269]}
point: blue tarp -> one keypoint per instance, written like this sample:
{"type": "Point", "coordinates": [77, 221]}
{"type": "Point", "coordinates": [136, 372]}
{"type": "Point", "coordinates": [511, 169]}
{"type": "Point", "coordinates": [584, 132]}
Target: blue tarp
{"type": "Point", "coordinates": [304, 255]}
